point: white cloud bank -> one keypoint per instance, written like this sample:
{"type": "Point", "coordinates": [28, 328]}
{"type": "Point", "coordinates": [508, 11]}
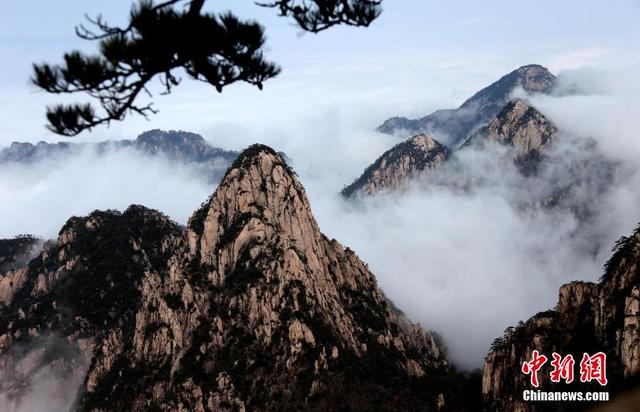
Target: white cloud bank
{"type": "Point", "coordinates": [464, 265]}
{"type": "Point", "coordinates": [39, 198]}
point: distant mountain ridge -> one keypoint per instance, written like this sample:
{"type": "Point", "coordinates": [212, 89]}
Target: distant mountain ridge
{"type": "Point", "coordinates": [569, 176]}
{"type": "Point", "coordinates": [453, 126]}
{"type": "Point", "coordinates": [519, 127]}
{"type": "Point", "coordinates": [178, 146]}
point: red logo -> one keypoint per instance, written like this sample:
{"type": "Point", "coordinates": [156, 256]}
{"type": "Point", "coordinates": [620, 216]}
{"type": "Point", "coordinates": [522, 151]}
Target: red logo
{"type": "Point", "coordinates": [562, 368]}
{"type": "Point", "coordinates": [534, 366]}
{"type": "Point", "coordinates": [592, 368]}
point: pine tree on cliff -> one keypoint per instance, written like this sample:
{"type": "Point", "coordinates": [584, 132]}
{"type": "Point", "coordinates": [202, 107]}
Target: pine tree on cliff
{"type": "Point", "coordinates": [163, 38]}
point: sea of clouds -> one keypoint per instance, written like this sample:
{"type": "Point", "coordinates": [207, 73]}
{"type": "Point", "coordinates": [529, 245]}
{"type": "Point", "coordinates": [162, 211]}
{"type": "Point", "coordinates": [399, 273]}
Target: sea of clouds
{"type": "Point", "coordinates": [466, 264]}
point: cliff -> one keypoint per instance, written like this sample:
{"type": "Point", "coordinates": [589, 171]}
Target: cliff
{"type": "Point", "coordinates": [250, 307]}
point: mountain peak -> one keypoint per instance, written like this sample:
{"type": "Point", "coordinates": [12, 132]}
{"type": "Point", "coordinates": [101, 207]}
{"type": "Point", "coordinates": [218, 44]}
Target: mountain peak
{"type": "Point", "coordinates": [251, 307]}
{"type": "Point", "coordinates": [454, 126]}
{"type": "Point", "coordinates": [424, 142]}
{"type": "Point", "coordinates": [260, 187]}
{"type": "Point", "coordinates": [589, 318]}
{"type": "Point", "coordinates": [398, 165]}
{"type": "Point", "coordinates": [535, 78]}
{"type": "Point", "coordinates": [522, 127]}
{"type": "Point", "coordinates": [178, 145]}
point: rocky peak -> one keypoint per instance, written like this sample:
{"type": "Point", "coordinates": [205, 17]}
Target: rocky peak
{"type": "Point", "coordinates": [259, 185]}
{"type": "Point", "coordinates": [535, 78]}
{"type": "Point", "coordinates": [532, 78]}
{"type": "Point", "coordinates": [23, 152]}
{"type": "Point", "coordinates": [398, 166]}
{"type": "Point", "coordinates": [522, 127]}
{"type": "Point", "coordinates": [250, 307]}
{"type": "Point", "coordinates": [258, 200]}
{"type": "Point", "coordinates": [454, 126]}
{"type": "Point", "coordinates": [162, 137]}
{"type": "Point", "coordinates": [424, 143]}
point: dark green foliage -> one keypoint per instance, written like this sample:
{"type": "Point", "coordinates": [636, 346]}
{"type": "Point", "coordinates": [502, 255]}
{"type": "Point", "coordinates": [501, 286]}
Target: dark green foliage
{"type": "Point", "coordinates": [366, 311]}
{"type": "Point", "coordinates": [249, 156]}
{"type": "Point", "coordinates": [124, 382]}
{"type": "Point", "coordinates": [233, 230]}
{"type": "Point", "coordinates": [315, 16]}
{"type": "Point", "coordinates": [196, 221]}
{"type": "Point", "coordinates": [191, 362]}
{"type": "Point", "coordinates": [622, 250]}
{"type": "Point", "coordinates": [174, 301]}
{"type": "Point", "coordinates": [152, 328]}
{"type": "Point", "coordinates": [102, 289]}
{"type": "Point", "coordinates": [14, 253]}
{"type": "Point", "coordinates": [217, 49]}
{"type": "Point", "coordinates": [111, 260]}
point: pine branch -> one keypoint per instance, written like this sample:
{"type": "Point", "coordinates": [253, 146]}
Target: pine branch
{"type": "Point", "coordinates": [219, 49]}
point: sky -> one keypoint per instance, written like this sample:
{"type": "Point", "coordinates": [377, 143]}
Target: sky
{"type": "Point", "coordinates": [464, 266]}
{"type": "Point", "coordinates": [417, 57]}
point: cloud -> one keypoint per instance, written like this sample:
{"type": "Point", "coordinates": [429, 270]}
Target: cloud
{"type": "Point", "coordinates": [466, 264]}
{"type": "Point", "coordinates": [43, 375]}
{"type": "Point", "coordinates": [39, 198]}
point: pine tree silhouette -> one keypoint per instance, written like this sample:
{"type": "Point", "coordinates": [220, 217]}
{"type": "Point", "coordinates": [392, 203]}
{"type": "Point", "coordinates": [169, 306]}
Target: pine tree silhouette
{"type": "Point", "coordinates": [160, 39]}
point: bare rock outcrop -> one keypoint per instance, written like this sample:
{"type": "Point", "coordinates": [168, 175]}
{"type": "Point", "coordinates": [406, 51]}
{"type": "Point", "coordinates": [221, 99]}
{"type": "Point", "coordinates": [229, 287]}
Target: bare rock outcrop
{"type": "Point", "coordinates": [395, 169]}
{"type": "Point", "coordinates": [522, 128]}
{"type": "Point", "coordinates": [589, 318]}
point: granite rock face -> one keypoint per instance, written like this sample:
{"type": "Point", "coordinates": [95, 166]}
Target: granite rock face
{"type": "Point", "coordinates": [589, 318]}
{"type": "Point", "coordinates": [454, 126]}
{"type": "Point", "coordinates": [394, 170]}
{"type": "Point", "coordinates": [250, 307]}
{"type": "Point", "coordinates": [521, 127]}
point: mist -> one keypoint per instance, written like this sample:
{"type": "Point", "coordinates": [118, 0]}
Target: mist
{"type": "Point", "coordinates": [43, 375]}
{"type": "Point", "coordinates": [38, 198]}
{"type": "Point", "coordinates": [464, 263]}
{"type": "Point", "coordinates": [469, 263]}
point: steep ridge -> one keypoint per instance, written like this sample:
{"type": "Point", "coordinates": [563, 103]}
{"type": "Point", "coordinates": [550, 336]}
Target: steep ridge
{"type": "Point", "coordinates": [519, 126]}
{"type": "Point", "coordinates": [454, 126]}
{"type": "Point", "coordinates": [589, 318]}
{"type": "Point", "coordinates": [248, 308]}
{"type": "Point", "coordinates": [522, 127]}
{"type": "Point", "coordinates": [176, 146]}
{"type": "Point", "coordinates": [569, 175]}
{"type": "Point", "coordinates": [398, 166]}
